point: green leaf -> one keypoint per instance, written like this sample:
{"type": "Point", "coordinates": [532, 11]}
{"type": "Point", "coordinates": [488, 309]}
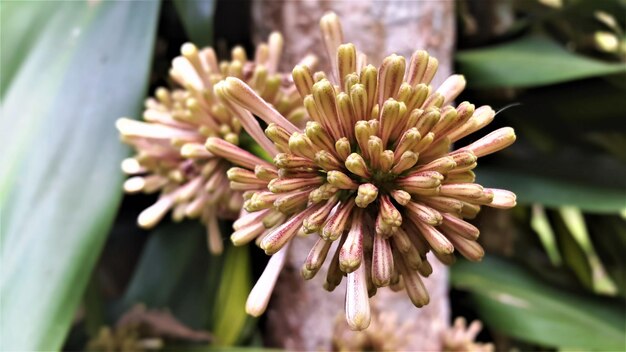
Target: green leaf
{"type": "Point", "coordinates": [59, 179]}
{"type": "Point", "coordinates": [512, 300]}
{"type": "Point", "coordinates": [574, 222]}
{"type": "Point", "coordinates": [176, 271]}
{"type": "Point", "coordinates": [164, 261]}
{"type": "Point", "coordinates": [554, 192]}
{"type": "Point", "coordinates": [540, 223]}
{"type": "Point", "coordinates": [529, 61]}
{"type": "Point", "coordinates": [230, 316]}
{"type": "Point", "coordinates": [197, 18]}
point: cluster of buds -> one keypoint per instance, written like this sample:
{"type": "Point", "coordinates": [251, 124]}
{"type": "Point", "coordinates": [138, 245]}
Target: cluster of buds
{"type": "Point", "coordinates": [170, 154]}
{"type": "Point", "coordinates": [460, 337]}
{"type": "Point", "coordinates": [371, 175]}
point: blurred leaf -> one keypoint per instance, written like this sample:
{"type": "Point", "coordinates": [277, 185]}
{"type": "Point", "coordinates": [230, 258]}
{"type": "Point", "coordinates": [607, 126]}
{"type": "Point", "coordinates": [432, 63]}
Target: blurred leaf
{"type": "Point", "coordinates": [574, 255]}
{"type": "Point", "coordinates": [18, 19]}
{"type": "Point", "coordinates": [61, 153]}
{"type": "Point", "coordinates": [511, 300]}
{"type": "Point", "coordinates": [608, 234]}
{"type": "Point", "coordinates": [575, 223]}
{"type": "Point", "coordinates": [230, 316]}
{"type": "Point", "coordinates": [163, 261]}
{"type": "Point", "coordinates": [175, 271]}
{"type": "Point", "coordinates": [197, 18]}
{"type": "Point", "coordinates": [540, 223]}
{"type": "Point", "coordinates": [554, 192]}
{"type": "Point", "coordinates": [529, 61]}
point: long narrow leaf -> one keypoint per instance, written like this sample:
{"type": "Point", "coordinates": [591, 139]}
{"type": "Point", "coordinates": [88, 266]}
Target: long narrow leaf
{"type": "Point", "coordinates": [59, 179]}
{"type": "Point", "coordinates": [529, 61]}
{"type": "Point", "coordinates": [511, 300]}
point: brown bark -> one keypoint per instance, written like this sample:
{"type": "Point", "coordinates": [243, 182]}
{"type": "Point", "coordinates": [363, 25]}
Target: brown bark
{"type": "Point", "coordinates": [302, 315]}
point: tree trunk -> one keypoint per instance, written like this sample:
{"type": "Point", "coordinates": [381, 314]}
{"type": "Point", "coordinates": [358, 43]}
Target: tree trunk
{"type": "Point", "coordinates": [302, 315]}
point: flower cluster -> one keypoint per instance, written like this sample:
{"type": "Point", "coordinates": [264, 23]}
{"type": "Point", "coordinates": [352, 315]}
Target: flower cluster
{"type": "Point", "coordinates": [461, 337]}
{"type": "Point", "coordinates": [170, 154]}
{"type": "Point", "coordinates": [371, 174]}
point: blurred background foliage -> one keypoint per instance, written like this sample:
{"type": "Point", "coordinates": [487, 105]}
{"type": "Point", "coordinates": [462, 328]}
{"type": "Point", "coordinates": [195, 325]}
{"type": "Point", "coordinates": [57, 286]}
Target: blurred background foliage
{"type": "Point", "coordinates": [76, 271]}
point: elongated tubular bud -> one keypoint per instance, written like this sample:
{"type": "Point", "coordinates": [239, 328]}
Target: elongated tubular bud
{"type": "Point", "coordinates": [417, 67]}
{"type": "Point", "coordinates": [460, 227]}
{"type": "Point", "coordinates": [460, 177]}
{"type": "Point", "coordinates": [413, 284]}
{"type": "Point", "coordinates": [469, 210]}
{"type": "Point", "coordinates": [343, 149]}
{"type": "Point", "coordinates": [443, 204]}
{"type": "Point", "coordinates": [240, 93]}
{"type": "Point", "coordinates": [369, 79]}
{"type": "Point", "coordinates": [246, 218]}
{"type": "Point", "coordinates": [316, 258]}
{"type": "Point", "coordinates": [150, 216]}
{"type": "Point", "coordinates": [265, 173]}
{"type": "Point", "coordinates": [374, 149]}
{"type": "Point", "coordinates": [438, 242]}
{"type": "Point", "coordinates": [493, 142]}
{"type": "Point", "coordinates": [357, 300]}
{"type": "Point", "coordinates": [259, 297]}
{"type": "Point", "coordinates": [286, 160]}
{"type": "Point", "coordinates": [470, 249]}
{"type": "Point", "coordinates": [275, 44]}
{"type": "Point", "coordinates": [421, 180]}
{"type": "Point", "coordinates": [431, 69]}
{"type": "Point", "coordinates": [327, 161]}
{"type": "Point", "coordinates": [279, 136]}
{"type": "Point", "coordinates": [423, 213]}
{"type": "Point", "coordinates": [238, 174]}
{"type": "Point", "coordinates": [451, 88]}
{"type": "Point", "coordinates": [133, 128]}
{"type": "Point", "coordinates": [247, 233]}
{"type": "Point", "coordinates": [382, 262]}
{"type": "Point", "coordinates": [340, 180]}
{"type": "Point", "coordinates": [291, 184]}
{"type": "Point", "coordinates": [389, 117]}
{"type": "Point", "coordinates": [502, 199]}
{"type": "Point", "coordinates": [332, 35]}
{"type": "Point", "coordinates": [471, 191]}
{"type": "Point", "coordinates": [411, 255]}
{"type": "Point", "coordinates": [407, 142]}
{"type": "Point", "coordinates": [301, 145]}
{"type": "Point", "coordinates": [346, 114]}
{"type": "Point", "coordinates": [362, 133]}
{"type": "Point", "coordinates": [336, 224]}
{"type": "Point", "coordinates": [318, 136]}
{"type": "Point", "coordinates": [234, 154]}
{"type": "Point", "coordinates": [480, 118]}
{"type": "Point", "coordinates": [427, 120]}
{"type": "Point", "coordinates": [351, 252]}
{"type": "Point", "coordinates": [449, 116]}
{"type": "Point", "coordinates": [390, 76]}
{"type": "Point", "coordinates": [358, 96]}
{"type": "Point", "coordinates": [406, 161]}
{"type": "Point", "coordinates": [355, 164]}
{"type": "Point", "coordinates": [424, 143]}
{"type": "Point", "coordinates": [326, 102]}
{"type": "Point", "coordinates": [442, 165]}
{"type": "Point", "coordinates": [277, 239]}
{"type": "Point", "coordinates": [303, 79]}
{"type": "Point", "coordinates": [292, 202]}
{"type": "Point", "coordinates": [400, 196]}
{"type": "Point", "coordinates": [315, 222]}
{"type": "Point", "coordinates": [248, 121]}
{"type": "Point", "coordinates": [346, 61]}
{"type": "Point", "coordinates": [388, 211]}
{"type": "Point", "coordinates": [366, 194]}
